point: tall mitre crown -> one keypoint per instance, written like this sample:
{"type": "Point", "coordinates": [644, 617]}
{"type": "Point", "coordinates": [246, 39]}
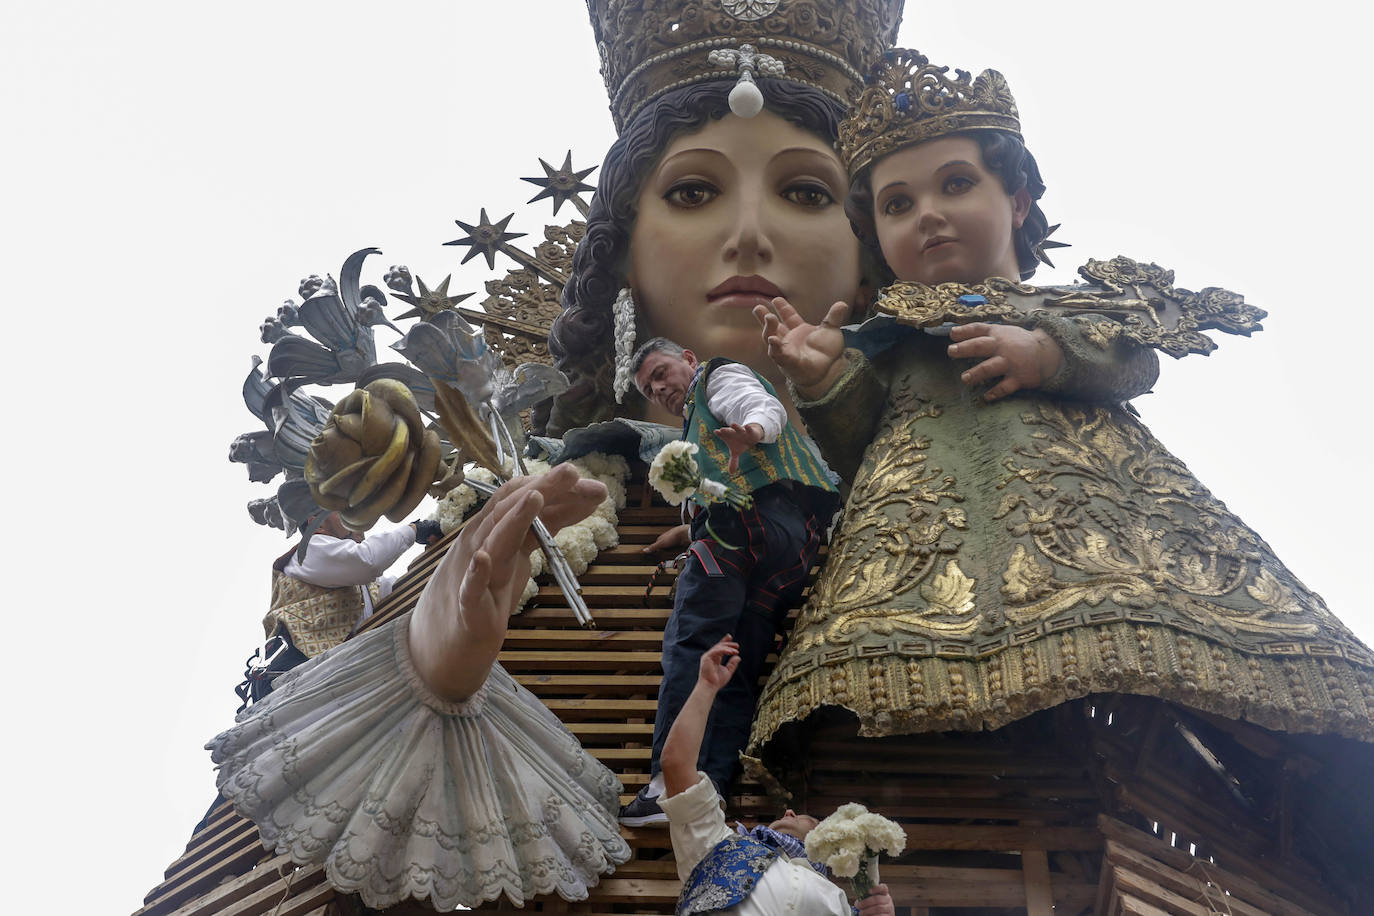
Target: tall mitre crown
{"type": "Point", "coordinates": [910, 101]}
{"type": "Point", "coordinates": [651, 46]}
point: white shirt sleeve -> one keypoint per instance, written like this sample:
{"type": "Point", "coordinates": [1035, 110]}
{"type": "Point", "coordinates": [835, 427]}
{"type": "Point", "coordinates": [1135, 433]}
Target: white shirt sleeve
{"type": "Point", "coordinates": [336, 562]}
{"type": "Point", "coordinates": [735, 395]}
{"type": "Point", "coordinates": [696, 823]}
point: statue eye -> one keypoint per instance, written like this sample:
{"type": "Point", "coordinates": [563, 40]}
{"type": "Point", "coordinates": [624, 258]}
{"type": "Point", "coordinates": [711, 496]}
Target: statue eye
{"type": "Point", "coordinates": [689, 194]}
{"type": "Point", "coordinates": [896, 205]}
{"type": "Point", "coordinates": [809, 195]}
{"type": "Point", "coordinates": [958, 184]}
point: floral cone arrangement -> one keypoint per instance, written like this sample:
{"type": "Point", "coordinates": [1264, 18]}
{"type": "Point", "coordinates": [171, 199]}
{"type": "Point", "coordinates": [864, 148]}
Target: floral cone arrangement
{"type": "Point", "coordinates": [374, 457]}
{"type": "Point", "coordinates": [848, 842]}
{"type": "Point", "coordinates": [676, 475]}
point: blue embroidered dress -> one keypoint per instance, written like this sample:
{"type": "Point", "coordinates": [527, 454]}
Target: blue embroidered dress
{"type": "Point", "coordinates": [724, 872]}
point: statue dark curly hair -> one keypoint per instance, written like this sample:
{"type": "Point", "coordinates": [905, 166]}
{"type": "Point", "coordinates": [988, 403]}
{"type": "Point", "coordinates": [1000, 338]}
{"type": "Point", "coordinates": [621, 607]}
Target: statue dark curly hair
{"type": "Point", "coordinates": [1006, 157]}
{"type": "Point", "coordinates": [581, 339]}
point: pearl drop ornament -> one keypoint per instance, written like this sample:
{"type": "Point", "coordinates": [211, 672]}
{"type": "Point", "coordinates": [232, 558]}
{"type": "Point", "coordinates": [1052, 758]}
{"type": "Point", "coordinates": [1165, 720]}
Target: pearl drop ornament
{"type": "Point", "coordinates": [745, 99]}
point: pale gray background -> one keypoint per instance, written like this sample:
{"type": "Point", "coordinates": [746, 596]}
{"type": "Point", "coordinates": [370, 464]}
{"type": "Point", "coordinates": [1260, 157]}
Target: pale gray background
{"type": "Point", "coordinates": [172, 169]}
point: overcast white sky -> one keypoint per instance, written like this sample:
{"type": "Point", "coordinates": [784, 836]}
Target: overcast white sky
{"type": "Point", "coordinates": [172, 170]}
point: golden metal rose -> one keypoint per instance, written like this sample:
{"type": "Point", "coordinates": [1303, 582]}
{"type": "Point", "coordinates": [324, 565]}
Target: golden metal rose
{"type": "Point", "coordinates": [374, 457]}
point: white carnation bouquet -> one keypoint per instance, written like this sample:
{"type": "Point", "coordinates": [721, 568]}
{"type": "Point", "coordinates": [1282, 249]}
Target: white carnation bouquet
{"type": "Point", "coordinates": [676, 475]}
{"type": "Point", "coordinates": [848, 843]}
{"type": "Point", "coordinates": [579, 543]}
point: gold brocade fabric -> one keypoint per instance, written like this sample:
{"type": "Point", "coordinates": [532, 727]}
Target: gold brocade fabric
{"type": "Point", "coordinates": [994, 560]}
{"type": "Point", "coordinates": [317, 618]}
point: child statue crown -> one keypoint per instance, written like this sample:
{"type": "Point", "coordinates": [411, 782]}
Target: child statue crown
{"type": "Point", "coordinates": [909, 100]}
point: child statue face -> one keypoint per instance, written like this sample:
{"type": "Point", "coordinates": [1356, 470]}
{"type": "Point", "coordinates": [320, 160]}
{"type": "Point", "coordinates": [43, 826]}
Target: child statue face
{"type": "Point", "coordinates": [732, 215]}
{"type": "Point", "coordinates": [942, 217]}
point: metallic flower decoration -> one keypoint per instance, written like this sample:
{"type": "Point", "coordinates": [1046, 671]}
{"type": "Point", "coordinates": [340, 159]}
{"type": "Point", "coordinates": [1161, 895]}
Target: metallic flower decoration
{"type": "Point", "coordinates": [529, 384]}
{"type": "Point", "coordinates": [452, 351]}
{"type": "Point", "coordinates": [398, 278]}
{"type": "Point", "coordinates": [374, 457]}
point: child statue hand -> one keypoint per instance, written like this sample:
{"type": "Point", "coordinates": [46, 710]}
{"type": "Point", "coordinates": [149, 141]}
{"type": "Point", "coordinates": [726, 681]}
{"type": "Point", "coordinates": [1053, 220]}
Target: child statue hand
{"type": "Point", "coordinates": [810, 355]}
{"type": "Point", "coordinates": [1022, 358]}
{"type": "Point", "coordinates": [460, 621]}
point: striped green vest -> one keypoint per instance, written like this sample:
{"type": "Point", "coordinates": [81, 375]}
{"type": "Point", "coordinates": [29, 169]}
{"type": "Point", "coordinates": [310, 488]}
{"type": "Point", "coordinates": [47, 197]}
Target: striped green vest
{"type": "Point", "coordinates": [787, 458]}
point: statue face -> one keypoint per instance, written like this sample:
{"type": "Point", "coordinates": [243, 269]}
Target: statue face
{"type": "Point", "coordinates": [732, 215]}
{"type": "Point", "coordinates": [942, 217]}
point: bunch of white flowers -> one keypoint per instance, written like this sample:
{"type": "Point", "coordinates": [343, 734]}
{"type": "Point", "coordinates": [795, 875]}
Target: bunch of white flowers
{"type": "Point", "coordinates": [848, 843]}
{"type": "Point", "coordinates": [581, 542]}
{"type": "Point", "coordinates": [674, 472]}
{"type": "Point", "coordinates": [676, 475]}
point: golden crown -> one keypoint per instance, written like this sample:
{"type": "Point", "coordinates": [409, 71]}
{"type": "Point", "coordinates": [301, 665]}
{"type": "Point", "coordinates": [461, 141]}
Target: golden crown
{"type": "Point", "coordinates": [651, 46]}
{"type": "Point", "coordinates": [910, 101]}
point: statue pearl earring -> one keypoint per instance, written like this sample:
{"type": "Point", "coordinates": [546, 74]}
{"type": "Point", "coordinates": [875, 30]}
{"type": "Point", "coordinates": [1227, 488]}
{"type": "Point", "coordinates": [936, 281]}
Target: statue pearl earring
{"type": "Point", "coordinates": [623, 311]}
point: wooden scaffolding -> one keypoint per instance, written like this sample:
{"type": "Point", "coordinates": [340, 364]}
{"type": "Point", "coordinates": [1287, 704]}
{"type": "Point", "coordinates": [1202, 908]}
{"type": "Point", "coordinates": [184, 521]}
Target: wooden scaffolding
{"type": "Point", "coordinates": [1107, 805]}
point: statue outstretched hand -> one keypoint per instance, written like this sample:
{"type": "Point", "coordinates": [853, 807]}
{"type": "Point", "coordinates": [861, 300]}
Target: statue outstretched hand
{"type": "Point", "coordinates": [457, 627]}
{"type": "Point", "coordinates": [810, 355]}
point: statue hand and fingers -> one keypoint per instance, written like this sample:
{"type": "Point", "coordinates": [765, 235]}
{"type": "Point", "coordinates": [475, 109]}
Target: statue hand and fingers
{"type": "Point", "coordinates": [1020, 357]}
{"type": "Point", "coordinates": [460, 621]}
{"type": "Point", "coordinates": [810, 355]}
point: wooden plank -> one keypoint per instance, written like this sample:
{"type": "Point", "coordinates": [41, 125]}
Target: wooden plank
{"type": "Point", "coordinates": [653, 619]}
{"type": "Point", "coordinates": [1185, 885]}
{"type": "Point", "coordinates": [575, 709]}
{"type": "Point", "coordinates": [1142, 888]}
{"type": "Point", "coordinates": [565, 640]}
{"type": "Point", "coordinates": [269, 873]}
{"type": "Point", "coordinates": [1000, 839]}
{"type": "Point", "coordinates": [625, 731]}
{"type": "Point", "coordinates": [1134, 906]}
{"type": "Point", "coordinates": [304, 891]}
{"type": "Point", "coordinates": [573, 660]}
{"type": "Point", "coordinates": [636, 890]}
{"type": "Point", "coordinates": [1227, 876]}
{"type": "Point", "coordinates": [1035, 865]}
{"type": "Point", "coordinates": [227, 860]}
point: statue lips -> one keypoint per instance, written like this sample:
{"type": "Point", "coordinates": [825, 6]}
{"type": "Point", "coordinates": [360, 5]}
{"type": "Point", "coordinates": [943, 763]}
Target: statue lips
{"type": "Point", "coordinates": [743, 292]}
{"type": "Point", "coordinates": [936, 242]}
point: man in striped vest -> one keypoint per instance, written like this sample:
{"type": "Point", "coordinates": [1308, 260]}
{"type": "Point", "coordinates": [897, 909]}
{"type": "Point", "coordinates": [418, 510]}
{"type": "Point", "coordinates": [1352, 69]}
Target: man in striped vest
{"type": "Point", "coordinates": [747, 571]}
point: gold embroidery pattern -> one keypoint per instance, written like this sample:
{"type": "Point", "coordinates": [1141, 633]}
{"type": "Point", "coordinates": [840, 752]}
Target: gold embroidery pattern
{"type": "Point", "coordinates": [1139, 298]}
{"type": "Point", "coordinates": [1119, 519]}
{"type": "Point", "coordinates": [897, 527]}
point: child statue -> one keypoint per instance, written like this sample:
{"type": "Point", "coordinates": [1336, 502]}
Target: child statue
{"type": "Point", "coordinates": [1014, 537]}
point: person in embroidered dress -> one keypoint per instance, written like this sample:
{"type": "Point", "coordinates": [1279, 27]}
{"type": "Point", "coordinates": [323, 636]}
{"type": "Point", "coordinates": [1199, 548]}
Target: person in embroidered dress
{"type": "Point", "coordinates": [409, 764]}
{"type": "Point", "coordinates": [755, 873]}
{"type": "Point", "coordinates": [745, 567]}
{"type": "Point", "coordinates": [318, 599]}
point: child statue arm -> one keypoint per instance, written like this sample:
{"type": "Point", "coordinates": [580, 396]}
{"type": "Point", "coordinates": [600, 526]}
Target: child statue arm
{"type": "Point", "coordinates": [1099, 365]}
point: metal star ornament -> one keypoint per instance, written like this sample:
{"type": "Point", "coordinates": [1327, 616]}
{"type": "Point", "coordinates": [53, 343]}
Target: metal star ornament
{"type": "Point", "coordinates": [485, 238]}
{"type": "Point", "coordinates": [430, 302]}
{"type": "Point", "coordinates": [562, 184]}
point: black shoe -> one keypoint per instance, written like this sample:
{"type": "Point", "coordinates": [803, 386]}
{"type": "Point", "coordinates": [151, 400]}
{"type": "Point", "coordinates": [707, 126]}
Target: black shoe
{"type": "Point", "coordinates": [642, 811]}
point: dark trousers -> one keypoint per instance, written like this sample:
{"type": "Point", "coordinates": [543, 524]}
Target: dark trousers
{"type": "Point", "coordinates": [746, 590]}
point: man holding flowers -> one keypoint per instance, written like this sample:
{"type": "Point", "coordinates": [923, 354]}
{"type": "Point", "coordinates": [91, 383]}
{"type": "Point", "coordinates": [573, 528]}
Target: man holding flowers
{"type": "Point", "coordinates": [765, 871]}
{"type": "Point", "coordinates": [751, 549]}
